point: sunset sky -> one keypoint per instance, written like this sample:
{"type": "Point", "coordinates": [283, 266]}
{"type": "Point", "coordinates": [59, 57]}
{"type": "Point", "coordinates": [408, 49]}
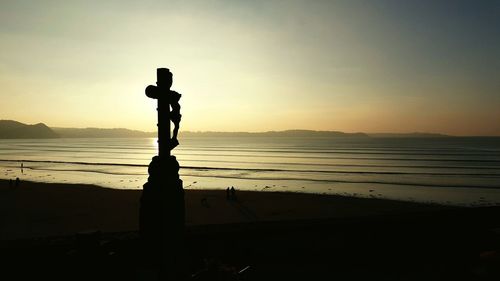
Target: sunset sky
{"type": "Point", "coordinates": [354, 66]}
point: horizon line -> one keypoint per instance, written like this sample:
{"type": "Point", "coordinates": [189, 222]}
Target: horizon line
{"type": "Point", "coordinates": [269, 131]}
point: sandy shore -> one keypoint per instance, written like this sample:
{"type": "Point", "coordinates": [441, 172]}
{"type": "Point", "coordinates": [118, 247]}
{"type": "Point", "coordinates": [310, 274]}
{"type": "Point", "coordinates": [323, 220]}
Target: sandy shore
{"type": "Point", "coordinates": [43, 209]}
{"type": "Point", "coordinates": [279, 236]}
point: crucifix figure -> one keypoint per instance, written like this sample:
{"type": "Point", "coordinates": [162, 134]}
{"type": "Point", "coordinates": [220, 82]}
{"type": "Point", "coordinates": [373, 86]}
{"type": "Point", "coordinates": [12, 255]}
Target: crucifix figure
{"type": "Point", "coordinates": [166, 99]}
{"type": "Point", "coordinates": [161, 214]}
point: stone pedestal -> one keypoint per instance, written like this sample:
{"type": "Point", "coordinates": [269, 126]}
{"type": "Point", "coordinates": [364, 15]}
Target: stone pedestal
{"type": "Point", "coordinates": [162, 219]}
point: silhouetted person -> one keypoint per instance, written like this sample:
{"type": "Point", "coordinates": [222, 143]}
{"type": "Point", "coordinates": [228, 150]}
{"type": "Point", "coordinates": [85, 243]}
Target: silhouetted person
{"type": "Point", "coordinates": [18, 181]}
{"type": "Point", "coordinates": [228, 196]}
{"type": "Point", "coordinates": [11, 183]}
{"type": "Point", "coordinates": [233, 193]}
{"type": "Point", "coordinates": [22, 166]}
{"type": "Point", "coordinates": [175, 116]}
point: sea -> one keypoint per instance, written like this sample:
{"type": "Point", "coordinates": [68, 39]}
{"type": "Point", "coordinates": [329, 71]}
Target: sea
{"type": "Point", "coordinates": [462, 171]}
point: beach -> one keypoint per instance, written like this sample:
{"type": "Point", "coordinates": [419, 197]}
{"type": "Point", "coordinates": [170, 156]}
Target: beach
{"type": "Point", "coordinates": [52, 209]}
{"type": "Point", "coordinates": [85, 232]}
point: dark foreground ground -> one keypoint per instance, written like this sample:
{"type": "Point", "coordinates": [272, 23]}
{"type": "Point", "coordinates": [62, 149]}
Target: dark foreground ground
{"type": "Point", "coordinates": [449, 244]}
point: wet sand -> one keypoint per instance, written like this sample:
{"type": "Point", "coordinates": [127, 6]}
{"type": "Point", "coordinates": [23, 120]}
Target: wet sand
{"type": "Point", "coordinates": [48, 209]}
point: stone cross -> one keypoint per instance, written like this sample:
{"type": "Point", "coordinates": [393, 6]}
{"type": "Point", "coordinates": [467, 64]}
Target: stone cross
{"type": "Point", "coordinates": [161, 213]}
{"type": "Point", "coordinates": [166, 99]}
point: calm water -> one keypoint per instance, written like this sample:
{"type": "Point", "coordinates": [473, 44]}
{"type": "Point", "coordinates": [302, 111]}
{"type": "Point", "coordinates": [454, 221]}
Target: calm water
{"type": "Point", "coordinates": [457, 171]}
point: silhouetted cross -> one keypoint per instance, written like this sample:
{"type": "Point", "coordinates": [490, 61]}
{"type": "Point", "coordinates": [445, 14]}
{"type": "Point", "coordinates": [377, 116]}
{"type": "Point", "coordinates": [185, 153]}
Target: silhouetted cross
{"type": "Point", "coordinates": [165, 98]}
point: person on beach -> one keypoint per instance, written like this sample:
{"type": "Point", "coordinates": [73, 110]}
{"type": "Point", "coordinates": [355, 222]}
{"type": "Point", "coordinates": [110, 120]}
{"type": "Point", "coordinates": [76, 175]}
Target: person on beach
{"type": "Point", "coordinates": [233, 193]}
{"type": "Point", "coordinates": [22, 166]}
{"type": "Point", "coordinates": [10, 184]}
{"type": "Point", "coordinates": [228, 195]}
{"type": "Point", "coordinates": [18, 182]}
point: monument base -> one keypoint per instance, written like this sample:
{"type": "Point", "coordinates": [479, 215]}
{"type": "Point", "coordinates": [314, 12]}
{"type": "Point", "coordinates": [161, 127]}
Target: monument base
{"type": "Point", "coordinates": [162, 219]}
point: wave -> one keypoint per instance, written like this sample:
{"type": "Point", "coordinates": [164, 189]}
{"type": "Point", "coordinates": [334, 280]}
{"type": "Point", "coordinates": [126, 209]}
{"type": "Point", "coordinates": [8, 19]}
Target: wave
{"type": "Point", "coordinates": [201, 168]}
{"type": "Point", "coordinates": [80, 151]}
{"type": "Point", "coordinates": [349, 165]}
{"type": "Point", "coordinates": [75, 162]}
{"type": "Point", "coordinates": [349, 151]}
{"type": "Point", "coordinates": [348, 158]}
{"type": "Point", "coordinates": [63, 147]}
{"type": "Point", "coordinates": [86, 171]}
{"type": "Point", "coordinates": [400, 183]}
{"type": "Point", "coordinates": [348, 181]}
{"type": "Point", "coordinates": [436, 153]}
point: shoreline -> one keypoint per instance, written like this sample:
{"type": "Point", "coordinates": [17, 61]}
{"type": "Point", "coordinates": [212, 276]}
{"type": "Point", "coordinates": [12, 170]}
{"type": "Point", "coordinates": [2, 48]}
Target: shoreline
{"type": "Point", "coordinates": [50, 209]}
{"type": "Point", "coordinates": [450, 191]}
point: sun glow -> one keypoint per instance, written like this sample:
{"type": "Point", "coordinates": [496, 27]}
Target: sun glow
{"type": "Point", "coordinates": [244, 66]}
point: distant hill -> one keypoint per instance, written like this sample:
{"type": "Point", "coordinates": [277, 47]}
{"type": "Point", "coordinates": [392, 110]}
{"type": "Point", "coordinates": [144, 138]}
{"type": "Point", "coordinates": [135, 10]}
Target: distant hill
{"type": "Point", "coordinates": [10, 129]}
{"type": "Point", "coordinates": [101, 133]}
{"type": "Point", "coordinates": [287, 133]}
{"type": "Point", "coordinates": [408, 135]}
